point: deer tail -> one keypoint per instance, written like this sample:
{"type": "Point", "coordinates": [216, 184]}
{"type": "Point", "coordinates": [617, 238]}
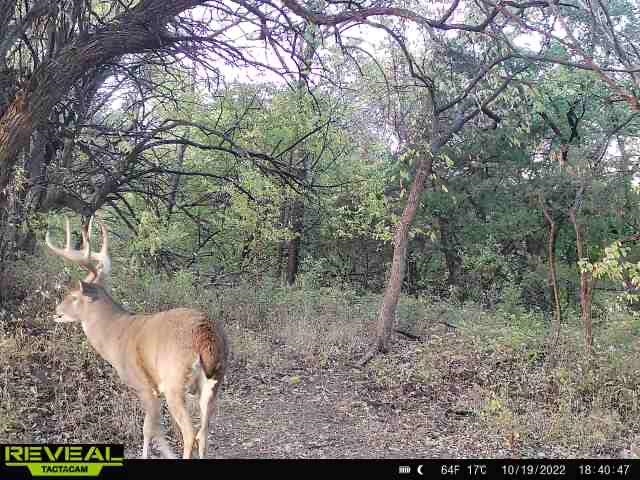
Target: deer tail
{"type": "Point", "coordinates": [211, 348]}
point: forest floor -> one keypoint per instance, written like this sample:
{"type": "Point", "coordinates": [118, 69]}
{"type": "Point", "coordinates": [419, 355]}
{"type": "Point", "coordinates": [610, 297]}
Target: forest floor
{"type": "Point", "coordinates": [341, 411]}
{"type": "Point", "coordinates": [435, 397]}
{"type": "Point", "coordinates": [475, 384]}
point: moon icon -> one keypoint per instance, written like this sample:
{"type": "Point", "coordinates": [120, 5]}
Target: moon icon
{"type": "Point", "coordinates": [419, 469]}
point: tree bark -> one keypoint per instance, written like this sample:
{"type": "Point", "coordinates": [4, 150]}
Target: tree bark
{"type": "Point", "coordinates": [386, 315]}
{"type": "Point", "coordinates": [448, 242]}
{"type": "Point", "coordinates": [297, 212]}
{"type": "Point", "coordinates": [175, 181]}
{"type": "Point", "coordinates": [586, 282]}
{"type": "Point", "coordinates": [282, 245]}
{"type": "Point", "coordinates": [181, 152]}
{"type": "Point", "coordinates": [553, 275]}
{"type": "Point", "coordinates": [293, 247]}
{"type": "Point", "coordinates": [137, 31]}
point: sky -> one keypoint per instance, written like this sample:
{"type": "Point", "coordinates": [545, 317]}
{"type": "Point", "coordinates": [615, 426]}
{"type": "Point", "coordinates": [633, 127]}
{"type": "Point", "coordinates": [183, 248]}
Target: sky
{"type": "Point", "coordinates": [243, 35]}
{"type": "Point", "coordinates": [368, 37]}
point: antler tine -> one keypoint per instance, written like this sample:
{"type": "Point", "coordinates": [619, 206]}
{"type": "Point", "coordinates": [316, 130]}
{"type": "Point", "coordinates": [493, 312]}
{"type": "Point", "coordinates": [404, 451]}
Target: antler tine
{"type": "Point", "coordinates": [86, 237]}
{"type": "Point", "coordinates": [59, 251]}
{"type": "Point", "coordinates": [68, 233]}
{"type": "Point", "coordinates": [86, 242]}
{"type": "Point", "coordinates": [102, 257]}
{"type": "Point", "coordinates": [78, 257]}
{"type": "Point", "coordinates": [87, 256]}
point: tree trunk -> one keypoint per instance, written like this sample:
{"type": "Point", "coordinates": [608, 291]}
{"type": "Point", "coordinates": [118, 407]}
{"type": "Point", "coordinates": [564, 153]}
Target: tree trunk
{"type": "Point", "coordinates": [448, 242]}
{"type": "Point", "coordinates": [140, 29]}
{"type": "Point", "coordinates": [387, 311]}
{"type": "Point", "coordinates": [553, 275]}
{"type": "Point", "coordinates": [181, 152]}
{"type": "Point", "coordinates": [586, 282]}
{"type": "Point", "coordinates": [303, 174]}
{"type": "Point", "coordinates": [175, 182]}
{"type": "Point", "coordinates": [282, 245]}
{"type": "Point", "coordinates": [293, 250]}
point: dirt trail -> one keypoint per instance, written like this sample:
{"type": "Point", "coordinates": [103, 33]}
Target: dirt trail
{"type": "Point", "coordinates": [343, 412]}
{"type": "Point", "coordinates": [320, 416]}
{"type": "Point", "coordinates": [402, 405]}
{"type": "Point", "coordinates": [340, 412]}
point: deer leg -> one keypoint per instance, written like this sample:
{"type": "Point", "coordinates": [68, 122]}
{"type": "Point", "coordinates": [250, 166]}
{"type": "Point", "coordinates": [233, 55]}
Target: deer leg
{"type": "Point", "coordinates": [208, 397]}
{"type": "Point", "coordinates": [151, 428]}
{"type": "Point", "coordinates": [178, 410]}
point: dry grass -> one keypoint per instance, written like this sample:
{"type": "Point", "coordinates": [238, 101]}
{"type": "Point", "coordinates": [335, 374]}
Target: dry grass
{"type": "Point", "coordinates": [523, 396]}
{"type": "Point", "coordinates": [55, 388]}
{"type": "Point", "coordinates": [485, 388]}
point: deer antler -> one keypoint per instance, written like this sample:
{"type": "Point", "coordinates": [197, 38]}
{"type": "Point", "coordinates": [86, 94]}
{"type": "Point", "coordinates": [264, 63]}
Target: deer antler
{"type": "Point", "coordinates": [78, 257]}
{"type": "Point", "coordinates": [102, 257]}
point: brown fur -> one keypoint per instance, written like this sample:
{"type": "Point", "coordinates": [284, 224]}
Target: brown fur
{"type": "Point", "coordinates": [154, 353]}
{"type": "Point", "coordinates": [209, 342]}
{"type": "Point", "coordinates": [157, 354]}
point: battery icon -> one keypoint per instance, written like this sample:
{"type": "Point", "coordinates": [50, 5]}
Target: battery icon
{"type": "Point", "coordinates": [404, 469]}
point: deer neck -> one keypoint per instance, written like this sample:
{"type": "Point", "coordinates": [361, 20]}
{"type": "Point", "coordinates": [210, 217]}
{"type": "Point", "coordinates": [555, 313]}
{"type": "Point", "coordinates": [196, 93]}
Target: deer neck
{"type": "Point", "coordinates": [105, 330]}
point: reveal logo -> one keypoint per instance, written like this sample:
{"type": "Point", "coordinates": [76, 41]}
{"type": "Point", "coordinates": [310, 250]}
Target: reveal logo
{"type": "Point", "coordinates": [63, 460]}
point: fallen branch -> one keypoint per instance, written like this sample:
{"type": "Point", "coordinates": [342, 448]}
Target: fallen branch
{"type": "Point", "coordinates": [450, 325]}
{"type": "Point", "coordinates": [408, 335]}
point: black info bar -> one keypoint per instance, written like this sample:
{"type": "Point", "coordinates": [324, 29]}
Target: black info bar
{"type": "Point", "coordinates": [101, 461]}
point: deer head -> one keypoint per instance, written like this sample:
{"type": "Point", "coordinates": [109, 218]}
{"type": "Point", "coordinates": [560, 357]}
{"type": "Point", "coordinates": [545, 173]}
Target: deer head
{"type": "Point", "coordinates": [81, 300]}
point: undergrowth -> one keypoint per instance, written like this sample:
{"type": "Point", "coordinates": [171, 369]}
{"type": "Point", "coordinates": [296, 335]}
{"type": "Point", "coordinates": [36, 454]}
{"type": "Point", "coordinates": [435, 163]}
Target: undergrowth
{"type": "Point", "coordinates": [492, 369]}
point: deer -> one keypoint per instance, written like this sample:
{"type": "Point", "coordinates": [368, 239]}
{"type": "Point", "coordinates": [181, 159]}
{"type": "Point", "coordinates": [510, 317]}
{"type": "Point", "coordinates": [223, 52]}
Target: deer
{"type": "Point", "coordinates": [167, 354]}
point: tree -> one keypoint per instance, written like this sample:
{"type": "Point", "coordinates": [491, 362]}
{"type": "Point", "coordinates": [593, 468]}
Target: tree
{"type": "Point", "coordinates": [596, 36]}
{"type": "Point", "coordinates": [582, 125]}
{"type": "Point", "coordinates": [478, 80]}
{"type": "Point", "coordinates": [61, 63]}
{"type": "Point", "coordinates": [139, 29]}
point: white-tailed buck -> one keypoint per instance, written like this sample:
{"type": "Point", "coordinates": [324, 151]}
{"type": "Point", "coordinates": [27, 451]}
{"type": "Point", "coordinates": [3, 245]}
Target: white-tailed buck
{"type": "Point", "coordinates": [167, 353]}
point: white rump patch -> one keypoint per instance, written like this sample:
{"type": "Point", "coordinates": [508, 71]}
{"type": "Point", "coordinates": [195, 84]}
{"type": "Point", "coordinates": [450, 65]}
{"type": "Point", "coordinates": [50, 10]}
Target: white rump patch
{"type": "Point", "coordinates": [200, 380]}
